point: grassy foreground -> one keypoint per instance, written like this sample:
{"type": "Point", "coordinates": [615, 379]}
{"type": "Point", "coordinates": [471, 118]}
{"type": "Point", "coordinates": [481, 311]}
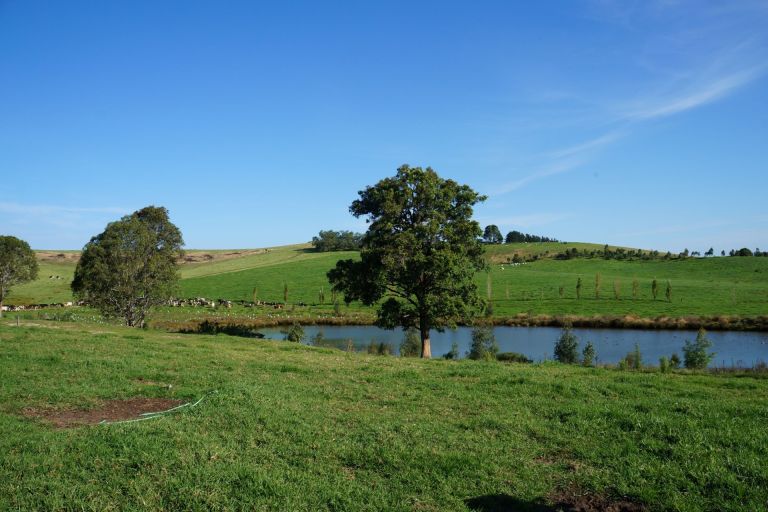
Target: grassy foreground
{"type": "Point", "coordinates": [299, 428]}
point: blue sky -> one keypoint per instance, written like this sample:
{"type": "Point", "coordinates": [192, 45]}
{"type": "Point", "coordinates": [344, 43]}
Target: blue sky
{"type": "Point", "coordinates": [635, 123]}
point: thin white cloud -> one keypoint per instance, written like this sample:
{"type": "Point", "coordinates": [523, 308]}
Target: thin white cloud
{"type": "Point", "coordinates": [707, 93]}
{"type": "Point", "coordinates": [556, 168]}
{"type": "Point", "coordinates": [694, 55]}
{"type": "Point", "coordinates": [561, 161]}
{"type": "Point", "coordinates": [590, 145]}
{"type": "Point", "coordinates": [572, 157]}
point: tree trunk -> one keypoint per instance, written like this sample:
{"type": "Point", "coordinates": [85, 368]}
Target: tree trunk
{"type": "Point", "coordinates": [1, 308]}
{"type": "Point", "coordinates": [426, 347]}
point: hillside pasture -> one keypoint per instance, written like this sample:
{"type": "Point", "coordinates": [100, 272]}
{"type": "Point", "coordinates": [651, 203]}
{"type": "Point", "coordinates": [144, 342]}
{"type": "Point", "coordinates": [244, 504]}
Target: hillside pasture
{"type": "Point", "coordinates": [700, 286]}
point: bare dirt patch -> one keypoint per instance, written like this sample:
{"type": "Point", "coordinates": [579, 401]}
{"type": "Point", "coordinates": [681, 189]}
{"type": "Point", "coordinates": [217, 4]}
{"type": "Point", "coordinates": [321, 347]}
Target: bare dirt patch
{"type": "Point", "coordinates": [58, 257]}
{"type": "Point", "coordinates": [207, 257]}
{"type": "Point", "coordinates": [110, 410]}
{"type": "Point", "coordinates": [189, 257]}
{"type": "Point", "coordinates": [572, 500]}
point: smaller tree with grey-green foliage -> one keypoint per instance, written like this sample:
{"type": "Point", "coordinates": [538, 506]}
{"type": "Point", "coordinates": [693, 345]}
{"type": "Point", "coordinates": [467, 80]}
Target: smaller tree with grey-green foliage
{"type": "Point", "coordinates": [484, 346]}
{"type": "Point", "coordinates": [567, 347]}
{"type": "Point", "coordinates": [696, 355]}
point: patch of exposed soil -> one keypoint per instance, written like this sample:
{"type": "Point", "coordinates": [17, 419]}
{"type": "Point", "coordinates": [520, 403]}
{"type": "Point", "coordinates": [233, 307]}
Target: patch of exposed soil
{"type": "Point", "coordinates": [571, 500]}
{"type": "Point", "coordinates": [189, 257]}
{"type": "Point", "coordinates": [58, 257]}
{"type": "Point", "coordinates": [110, 410]}
{"type": "Point", "coordinates": [206, 257]}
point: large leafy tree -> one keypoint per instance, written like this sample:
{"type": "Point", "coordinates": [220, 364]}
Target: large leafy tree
{"type": "Point", "coordinates": [419, 255]}
{"type": "Point", "coordinates": [18, 265]}
{"type": "Point", "coordinates": [131, 266]}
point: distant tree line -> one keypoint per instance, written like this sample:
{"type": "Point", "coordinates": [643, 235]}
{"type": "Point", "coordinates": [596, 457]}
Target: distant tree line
{"type": "Point", "coordinates": [615, 253]}
{"type": "Point", "coordinates": [746, 252]}
{"type": "Point", "coordinates": [492, 235]}
{"type": "Point", "coordinates": [328, 241]}
{"type": "Point", "coordinates": [733, 252]}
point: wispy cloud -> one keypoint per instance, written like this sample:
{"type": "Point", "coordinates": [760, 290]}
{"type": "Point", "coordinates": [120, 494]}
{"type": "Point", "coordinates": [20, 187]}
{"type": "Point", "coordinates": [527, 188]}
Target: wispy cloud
{"type": "Point", "coordinates": [587, 146]}
{"type": "Point", "coordinates": [718, 88]}
{"type": "Point", "coordinates": [561, 161]}
{"type": "Point", "coordinates": [698, 94]}
{"type": "Point", "coordinates": [693, 55]}
{"type": "Point", "coordinates": [555, 168]}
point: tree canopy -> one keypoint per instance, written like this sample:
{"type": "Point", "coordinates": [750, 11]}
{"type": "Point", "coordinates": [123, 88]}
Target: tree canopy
{"type": "Point", "coordinates": [419, 255]}
{"type": "Point", "coordinates": [131, 266]}
{"type": "Point", "coordinates": [330, 240]}
{"type": "Point", "coordinates": [518, 237]}
{"type": "Point", "coordinates": [18, 265]}
{"type": "Point", "coordinates": [492, 234]}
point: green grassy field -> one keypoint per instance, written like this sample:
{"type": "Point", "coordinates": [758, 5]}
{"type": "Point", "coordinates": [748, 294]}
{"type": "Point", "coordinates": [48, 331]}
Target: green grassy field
{"type": "Point", "coordinates": [715, 286]}
{"type": "Point", "coordinates": [46, 290]}
{"type": "Point", "coordinates": [711, 286]}
{"type": "Point", "coordinates": [299, 428]}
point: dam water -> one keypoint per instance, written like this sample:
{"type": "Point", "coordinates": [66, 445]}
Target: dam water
{"type": "Point", "coordinates": [732, 348]}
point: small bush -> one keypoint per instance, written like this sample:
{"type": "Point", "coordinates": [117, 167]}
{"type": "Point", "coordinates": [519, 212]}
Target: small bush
{"type": "Point", "coordinates": [588, 355]}
{"type": "Point", "coordinates": [512, 357]}
{"type": "Point", "coordinates": [294, 333]}
{"type": "Point", "coordinates": [318, 339]}
{"type": "Point", "coordinates": [453, 354]}
{"type": "Point", "coordinates": [696, 355]}
{"type": "Point", "coordinates": [634, 360]}
{"type": "Point", "coordinates": [674, 361]}
{"type": "Point", "coordinates": [567, 347]}
{"type": "Point", "coordinates": [664, 364]}
{"type": "Point", "coordinates": [379, 349]}
{"type": "Point", "coordinates": [484, 346]}
{"type": "Point", "coordinates": [411, 344]}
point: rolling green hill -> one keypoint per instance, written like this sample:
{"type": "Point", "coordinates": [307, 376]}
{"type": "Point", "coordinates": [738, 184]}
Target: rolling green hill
{"type": "Point", "coordinates": [700, 286]}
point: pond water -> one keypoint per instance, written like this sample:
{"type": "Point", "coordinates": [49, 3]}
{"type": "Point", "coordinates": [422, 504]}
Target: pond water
{"type": "Point", "coordinates": [732, 348]}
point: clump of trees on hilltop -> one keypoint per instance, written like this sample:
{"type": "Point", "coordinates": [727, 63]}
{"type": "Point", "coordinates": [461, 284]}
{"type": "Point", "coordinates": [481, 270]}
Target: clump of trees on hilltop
{"type": "Point", "coordinates": [746, 252]}
{"type": "Point", "coordinates": [518, 237]}
{"type": "Point", "coordinates": [330, 240]}
{"type": "Point", "coordinates": [492, 235]}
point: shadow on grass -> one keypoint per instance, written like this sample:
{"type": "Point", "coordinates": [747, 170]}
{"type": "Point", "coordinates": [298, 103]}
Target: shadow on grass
{"type": "Point", "coordinates": [505, 503]}
{"type": "Point", "coordinates": [209, 327]}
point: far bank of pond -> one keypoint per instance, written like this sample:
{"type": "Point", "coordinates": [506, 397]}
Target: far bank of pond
{"type": "Point", "coordinates": [732, 348]}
